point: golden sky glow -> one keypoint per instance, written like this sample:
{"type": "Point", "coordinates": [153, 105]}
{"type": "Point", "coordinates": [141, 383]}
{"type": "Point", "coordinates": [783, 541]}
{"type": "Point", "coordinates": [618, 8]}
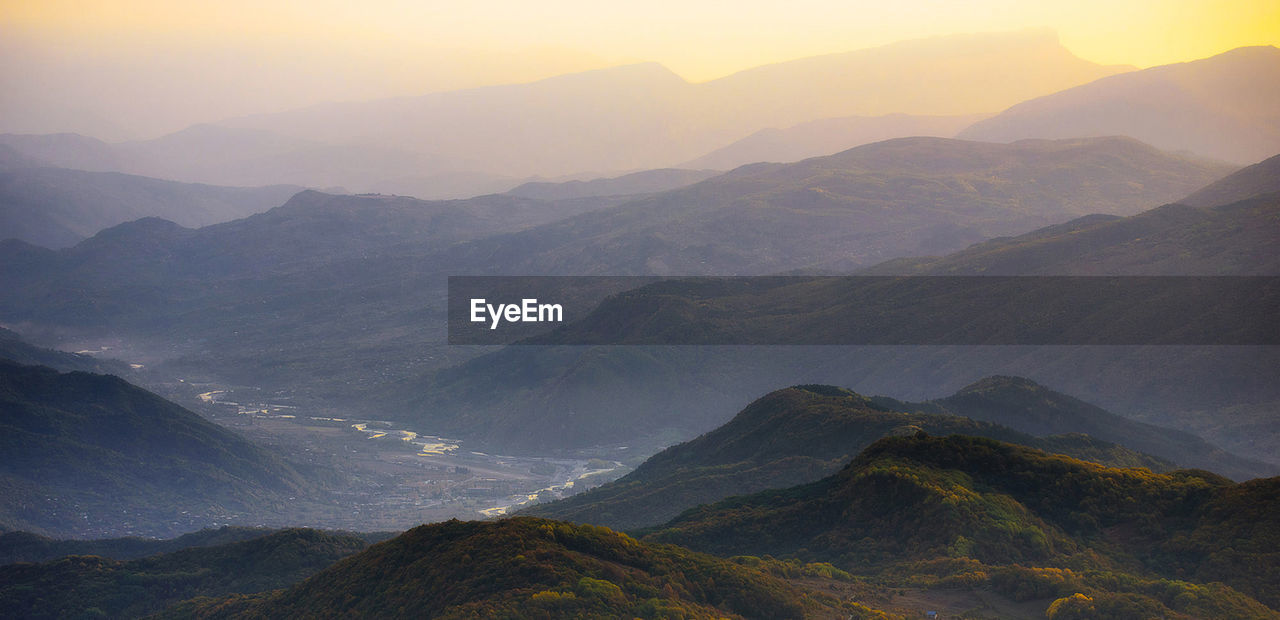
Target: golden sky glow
{"type": "Point", "coordinates": [403, 47]}
{"type": "Point", "coordinates": [698, 39]}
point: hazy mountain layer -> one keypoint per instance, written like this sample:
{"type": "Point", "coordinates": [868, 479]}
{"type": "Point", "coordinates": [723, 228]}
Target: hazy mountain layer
{"type": "Point", "coordinates": [341, 293]}
{"type": "Point", "coordinates": [55, 208]}
{"type": "Point", "coordinates": [635, 117]}
{"type": "Point", "coordinates": [1226, 107]}
{"type": "Point", "coordinates": [856, 208]}
{"type": "Point", "coordinates": [248, 157]}
{"type": "Point", "coordinates": [790, 437]}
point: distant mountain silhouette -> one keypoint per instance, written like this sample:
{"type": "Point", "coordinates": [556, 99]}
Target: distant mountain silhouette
{"type": "Point", "coordinates": [633, 117]}
{"type": "Point", "coordinates": [1225, 107]}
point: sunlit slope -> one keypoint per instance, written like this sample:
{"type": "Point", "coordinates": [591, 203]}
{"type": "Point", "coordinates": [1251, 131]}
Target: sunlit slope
{"type": "Point", "coordinates": [921, 497]}
{"type": "Point", "coordinates": [789, 437]}
{"type": "Point", "coordinates": [520, 567]}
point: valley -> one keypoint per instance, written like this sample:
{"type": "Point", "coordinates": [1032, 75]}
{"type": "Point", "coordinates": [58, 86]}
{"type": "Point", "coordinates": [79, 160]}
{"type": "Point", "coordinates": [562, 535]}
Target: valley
{"type": "Point", "coordinates": [390, 478]}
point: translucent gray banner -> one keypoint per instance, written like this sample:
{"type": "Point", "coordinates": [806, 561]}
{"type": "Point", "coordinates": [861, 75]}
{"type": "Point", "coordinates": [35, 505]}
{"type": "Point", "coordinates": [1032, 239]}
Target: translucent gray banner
{"type": "Point", "coordinates": [865, 310]}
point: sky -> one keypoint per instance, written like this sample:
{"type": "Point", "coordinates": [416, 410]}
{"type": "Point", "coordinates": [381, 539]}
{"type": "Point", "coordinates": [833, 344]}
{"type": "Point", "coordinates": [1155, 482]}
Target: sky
{"type": "Point", "coordinates": [140, 68]}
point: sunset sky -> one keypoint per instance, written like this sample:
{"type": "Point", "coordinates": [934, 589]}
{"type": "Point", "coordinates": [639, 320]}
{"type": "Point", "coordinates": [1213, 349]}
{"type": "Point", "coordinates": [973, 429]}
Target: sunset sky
{"type": "Point", "coordinates": [67, 62]}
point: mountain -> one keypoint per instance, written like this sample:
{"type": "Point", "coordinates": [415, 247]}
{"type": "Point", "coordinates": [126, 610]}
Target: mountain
{"type": "Point", "coordinates": [520, 567]}
{"type": "Point", "coordinates": [1223, 107]}
{"type": "Point", "coordinates": [826, 136]}
{"type": "Point", "coordinates": [645, 182]}
{"type": "Point", "coordinates": [920, 498]}
{"type": "Point", "coordinates": [90, 585]}
{"type": "Point", "coordinates": [1029, 407]}
{"type": "Point", "coordinates": [89, 454]}
{"type": "Point", "coordinates": [56, 208]}
{"type": "Point", "coordinates": [788, 437]}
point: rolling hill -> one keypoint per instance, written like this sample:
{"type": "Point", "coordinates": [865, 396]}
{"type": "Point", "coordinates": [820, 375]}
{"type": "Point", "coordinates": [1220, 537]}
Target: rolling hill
{"type": "Point", "coordinates": [1223, 107]}
{"type": "Point", "coordinates": [87, 454]}
{"type": "Point", "coordinates": [789, 437]}
{"type": "Point", "coordinates": [920, 498]}
{"type": "Point", "coordinates": [525, 566]}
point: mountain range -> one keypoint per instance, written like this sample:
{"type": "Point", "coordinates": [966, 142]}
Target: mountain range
{"type": "Point", "coordinates": [635, 117]}
{"type": "Point", "coordinates": [852, 209]}
{"type": "Point", "coordinates": [259, 300]}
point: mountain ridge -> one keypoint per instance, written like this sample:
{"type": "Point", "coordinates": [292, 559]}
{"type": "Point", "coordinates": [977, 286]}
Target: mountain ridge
{"type": "Point", "coordinates": [1221, 107]}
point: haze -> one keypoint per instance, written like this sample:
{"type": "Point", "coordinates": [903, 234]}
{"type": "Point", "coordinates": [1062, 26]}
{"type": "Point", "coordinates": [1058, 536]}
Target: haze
{"type": "Point", "coordinates": [142, 68]}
